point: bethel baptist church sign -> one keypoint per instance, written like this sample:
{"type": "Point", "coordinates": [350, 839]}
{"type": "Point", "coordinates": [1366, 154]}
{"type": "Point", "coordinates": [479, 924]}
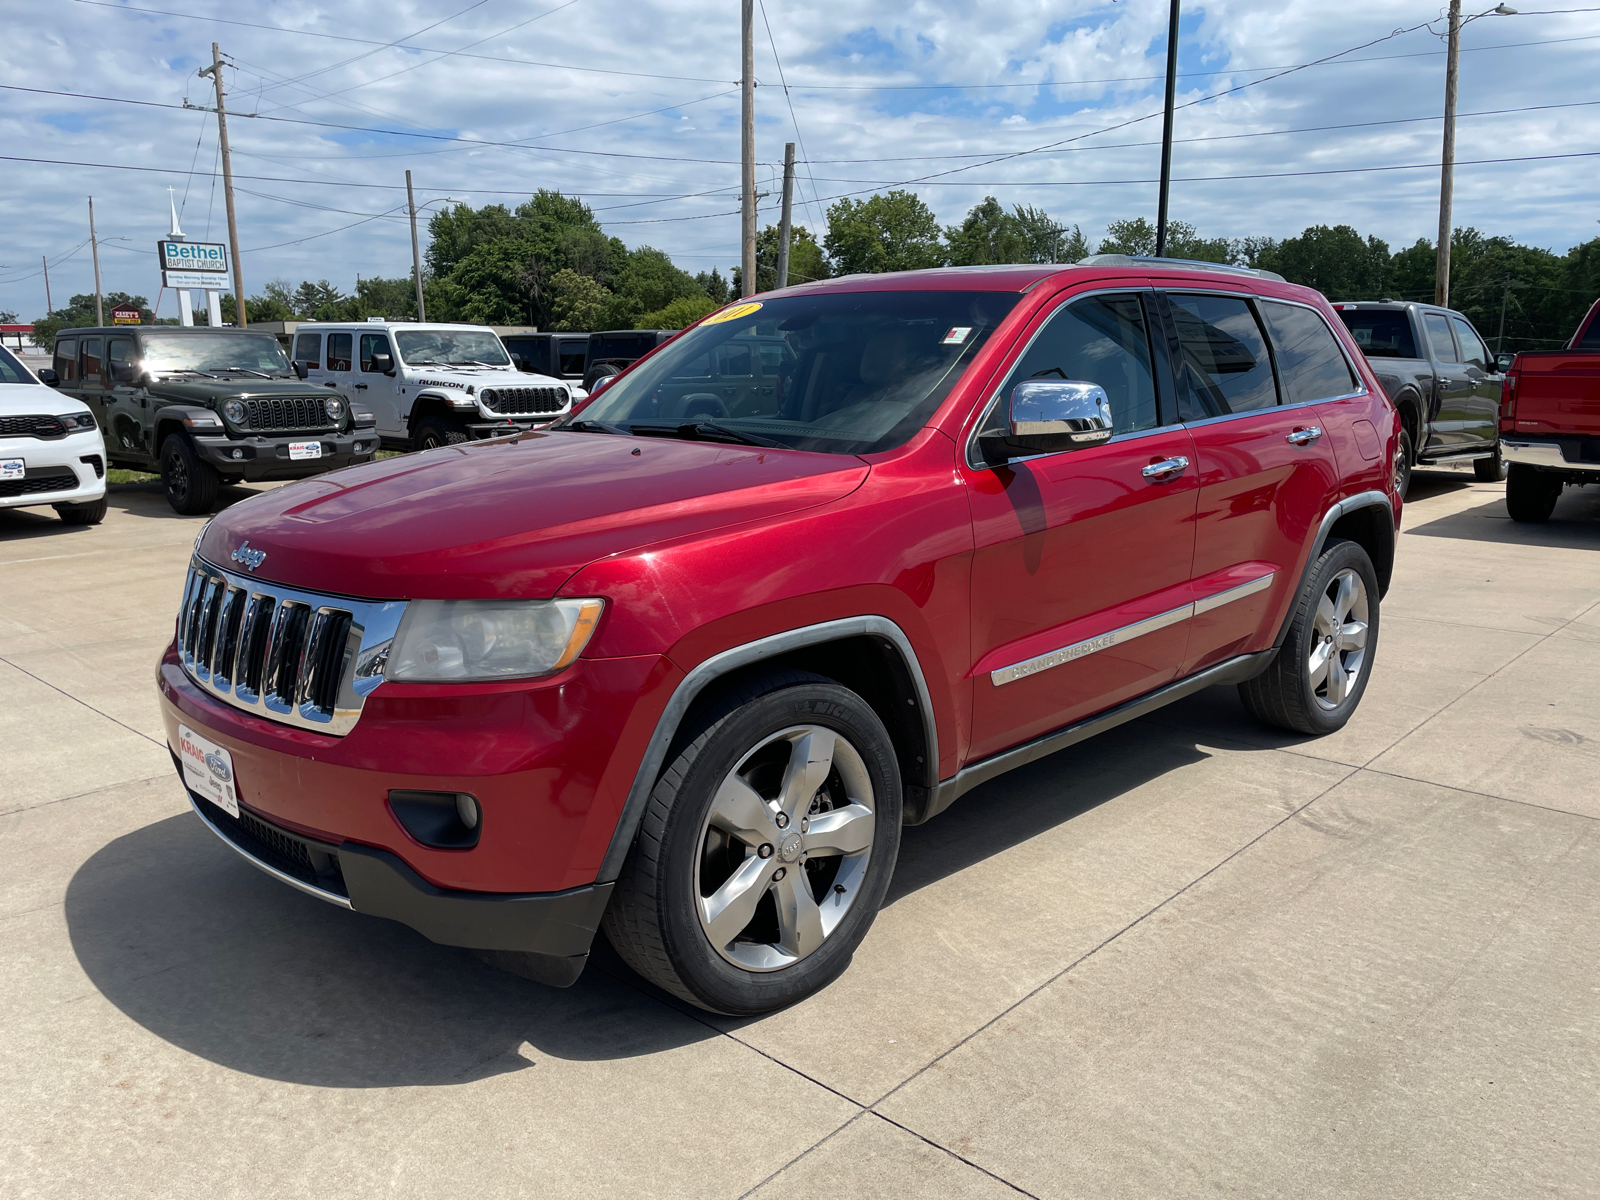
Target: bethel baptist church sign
{"type": "Point", "coordinates": [193, 264]}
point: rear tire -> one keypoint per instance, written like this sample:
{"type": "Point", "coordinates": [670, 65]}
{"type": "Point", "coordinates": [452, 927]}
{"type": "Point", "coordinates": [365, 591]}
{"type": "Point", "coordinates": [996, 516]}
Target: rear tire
{"type": "Point", "coordinates": [191, 485]}
{"type": "Point", "coordinates": [434, 432]}
{"type": "Point", "coordinates": [82, 514]}
{"type": "Point", "coordinates": [1321, 672]}
{"type": "Point", "coordinates": [1404, 455]}
{"type": "Point", "coordinates": [1489, 470]}
{"type": "Point", "coordinates": [765, 849]}
{"type": "Point", "coordinates": [1531, 494]}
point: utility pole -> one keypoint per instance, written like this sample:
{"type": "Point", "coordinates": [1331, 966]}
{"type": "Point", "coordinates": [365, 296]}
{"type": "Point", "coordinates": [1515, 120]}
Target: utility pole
{"type": "Point", "coordinates": [94, 249]}
{"type": "Point", "coordinates": [48, 307]}
{"type": "Point", "coordinates": [416, 257]}
{"type": "Point", "coordinates": [1500, 335]}
{"type": "Point", "coordinates": [1441, 274]}
{"type": "Point", "coordinates": [215, 71]}
{"type": "Point", "coordinates": [747, 209]}
{"type": "Point", "coordinates": [783, 219]}
{"type": "Point", "coordinates": [1166, 128]}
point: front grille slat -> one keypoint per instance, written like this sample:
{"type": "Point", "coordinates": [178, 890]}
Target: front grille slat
{"type": "Point", "coordinates": [281, 653]}
{"type": "Point", "coordinates": [293, 414]}
{"type": "Point", "coordinates": [525, 400]}
{"type": "Point", "coordinates": [40, 425]}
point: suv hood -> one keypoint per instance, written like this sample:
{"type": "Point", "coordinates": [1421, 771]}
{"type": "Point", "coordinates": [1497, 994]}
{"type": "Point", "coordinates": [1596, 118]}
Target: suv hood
{"type": "Point", "coordinates": [193, 390]}
{"type": "Point", "coordinates": [459, 378]}
{"type": "Point", "coordinates": [514, 517]}
{"type": "Point", "coordinates": [29, 399]}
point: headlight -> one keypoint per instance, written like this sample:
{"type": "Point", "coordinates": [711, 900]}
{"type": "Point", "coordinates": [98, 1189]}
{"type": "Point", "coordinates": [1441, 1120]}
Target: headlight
{"type": "Point", "coordinates": [488, 395]}
{"type": "Point", "coordinates": [489, 639]}
{"type": "Point", "coordinates": [234, 411]}
{"type": "Point", "coordinates": [77, 422]}
{"type": "Point", "coordinates": [335, 407]}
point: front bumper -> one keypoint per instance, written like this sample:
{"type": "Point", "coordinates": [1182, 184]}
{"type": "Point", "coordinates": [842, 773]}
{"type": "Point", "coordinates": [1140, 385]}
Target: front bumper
{"type": "Point", "coordinates": [69, 470]}
{"type": "Point", "coordinates": [556, 928]}
{"type": "Point", "coordinates": [504, 426]}
{"type": "Point", "coordinates": [1550, 456]}
{"type": "Point", "coordinates": [262, 459]}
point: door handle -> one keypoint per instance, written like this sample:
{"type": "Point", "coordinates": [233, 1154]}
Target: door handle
{"type": "Point", "coordinates": [1168, 468]}
{"type": "Point", "coordinates": [360, 387]}
{"type": "Point", "coordinates": [1304, 437]}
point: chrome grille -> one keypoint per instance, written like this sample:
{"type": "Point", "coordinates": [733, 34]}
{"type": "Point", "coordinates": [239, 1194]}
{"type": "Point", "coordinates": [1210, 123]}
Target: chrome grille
{"type": "Point", "coordinates": [302, 658]}
{"type": "Point", "coordinates": [287, 414]}
{"type": "Point", "coordinates": [513, 400]}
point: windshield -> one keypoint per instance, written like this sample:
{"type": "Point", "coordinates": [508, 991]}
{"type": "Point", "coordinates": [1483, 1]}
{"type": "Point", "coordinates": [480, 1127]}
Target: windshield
{"type": "Point", "coordinates": [840, 372]}
{"type": "Point", "coordinates": [451, 347]}
{"type": "Point", "coordinates": [1380, 332]}
{"type": "Point", "coordinates": [241, 351]}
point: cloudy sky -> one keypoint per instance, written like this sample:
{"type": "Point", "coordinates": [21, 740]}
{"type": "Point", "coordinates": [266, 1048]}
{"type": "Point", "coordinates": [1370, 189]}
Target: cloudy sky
{"type": "Point", "coordinates": [633, 104]}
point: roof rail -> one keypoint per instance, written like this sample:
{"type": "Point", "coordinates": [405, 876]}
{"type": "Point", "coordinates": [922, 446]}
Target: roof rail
{"type": "Point", "coordinates": [1129, 260]}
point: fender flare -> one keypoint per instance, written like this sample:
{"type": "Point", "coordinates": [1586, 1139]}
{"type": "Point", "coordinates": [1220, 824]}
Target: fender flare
{"type": "Point", "coordinates": [169, 415]}
{"type": "Point", "coordinates": [1349, 504]}
{"type": "Point", "coordinates": [718, 665]}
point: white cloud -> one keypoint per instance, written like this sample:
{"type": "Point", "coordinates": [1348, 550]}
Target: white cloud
{"type": "Point", "coordinates": [297, 181]}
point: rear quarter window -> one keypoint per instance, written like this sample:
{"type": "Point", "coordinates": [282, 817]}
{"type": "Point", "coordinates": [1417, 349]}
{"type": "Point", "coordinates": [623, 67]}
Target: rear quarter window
{"type": "Point", "coordinates": [340, 346]}
{"type": "Point", "coordinates": [1381, 332]}
{"type": "Point", "coordinates": [1311, 364]}
{"type": "Point", "coordinates": [308, 349]}
{"type": "Point", "coordinates": [1224, 365]}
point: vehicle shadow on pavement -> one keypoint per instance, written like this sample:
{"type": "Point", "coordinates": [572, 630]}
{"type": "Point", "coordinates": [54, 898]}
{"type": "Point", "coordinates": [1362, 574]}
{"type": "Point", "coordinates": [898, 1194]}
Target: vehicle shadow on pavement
{"type": "Point", "coordinates": [214, 957]}
{"type": "Point", "coordinates": [21, 524]}
{"type": "Point", "coordinates": [149, 499]}
{"type": "Point", "coordinates": [1574, 526]}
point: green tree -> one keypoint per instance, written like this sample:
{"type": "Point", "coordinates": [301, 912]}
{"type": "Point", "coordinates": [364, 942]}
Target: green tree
{"type": "Point", "coordinates": [1411, 272]}
{"type": "Point", "coordinates": [894, 231]}
{"type": "Point", "coordinates": [645, 281]}
{"type": "Point", "coordinates": [1047, 241]}
{"type": "Point", "coordinates": [988, 235]}
{"type": "Point", "coordinates": [1335, 260]}
{"type": "Point", "coordinates": [680, 314]}
{"type": "Point", "coordinates": [311, 298]}
{"type": "Point", "coordinates": [7, 317]}
{"type": "Point", "coordinates": [576, 301]}
{"type": "Point", "coordinates": [714, 285]}
{"type": "Point", "coordinates": [806, 261]}
{"type": "Point", "coordinates": [1137, 236]}
{"type": "Point", "coordinates": [79, 314]}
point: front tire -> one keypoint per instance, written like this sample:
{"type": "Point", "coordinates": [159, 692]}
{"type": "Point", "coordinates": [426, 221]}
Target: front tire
{"type": "Point", "coordinates": [433, 432]}
{"type": "Point", "coordinates": [1321, 672]}
{"type": "Point", "coordinates": [1489, 470]}
{"type": "Point", "coordinates": [82, 514]}
{"type": "Point", "coordinates": [191, 484]}
{"type": "Point", "coordinates": [1531, 494]}
{"type": "Point", "coordinates": [765, 849]}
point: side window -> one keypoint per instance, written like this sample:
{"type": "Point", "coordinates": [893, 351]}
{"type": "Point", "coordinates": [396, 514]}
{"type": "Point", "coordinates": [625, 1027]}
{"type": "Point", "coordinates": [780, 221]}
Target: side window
{"type": "Point", "coordinates": [93, 370]}
{"type": "Point", "coordinates": [308, 349]}
{"type": "Point", "coordinates": [1591, 336]}
{"type": "Point", "coordinates": [119, 352]}
{"type": "Point", "coordinates": [67, 360]}
{"type": "Point", "coordinates": [1099, 339]}
{"type": "Point", "coordinates": [1473, 350]}
{"type": "Point", "coordinates": [1310, 362]}
{"type": "Point", "coordinates": [339, 345]}
{"type": "Point", "coordinates": [1223, 365]}
{"type": "Point", "coordinates": [573, 355]}
{"type": "Point", "coordinates": [734, 359]}
{"type": "Point", "coordinates": [373, 344]}
{"type": "Point", "coordinates": [1439, 336]}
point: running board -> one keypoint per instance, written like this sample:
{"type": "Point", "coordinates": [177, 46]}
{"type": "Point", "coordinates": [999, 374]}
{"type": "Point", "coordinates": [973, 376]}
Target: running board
{"type": "Point", "coordinates": [1235, 670]}
{"type": "Point", "coordinates": [1450, 458]}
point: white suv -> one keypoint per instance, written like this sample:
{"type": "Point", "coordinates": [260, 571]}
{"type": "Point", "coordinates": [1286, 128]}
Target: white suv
{"type": "Point", "coordinates": [51, 451]}
{"type": "Point", "coordinates": [430, 385]}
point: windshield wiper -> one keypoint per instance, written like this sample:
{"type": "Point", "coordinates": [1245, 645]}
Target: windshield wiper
{"type": "Point", "coordinates": [187, 371]}
{"type": "Point", "coordinates": [425, 362]}
{"type": "Point", "coordinates": [594, 427]}
{"type": "Point", "coordinates": [707, 431]}
{"type": "Point", "coordinates": [474, 362]}
{"type": "Point", "coordinates": [250, 371]}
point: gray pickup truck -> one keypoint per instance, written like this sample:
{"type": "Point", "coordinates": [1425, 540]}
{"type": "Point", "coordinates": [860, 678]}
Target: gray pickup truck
{"type": "Point", "coordinates": [1441, 377]}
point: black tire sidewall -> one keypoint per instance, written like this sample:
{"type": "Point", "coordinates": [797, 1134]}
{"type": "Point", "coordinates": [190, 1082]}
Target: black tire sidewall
{"type": "Point", "coordinates": [1403, 453]}
{"type": "Point", "coordinates": [1339, 556]}
{"type": "Point", "coordinates": [1531, 494]}
{"type": "Point", "coordinates": [715, 982]}
{"type": "Point", "coordinates": [195, 498]}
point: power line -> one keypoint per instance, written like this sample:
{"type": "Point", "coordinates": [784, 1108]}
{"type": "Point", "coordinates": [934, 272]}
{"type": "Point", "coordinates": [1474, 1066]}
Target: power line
{"type": "Point", "coordinates": [386, 46]}
{"type": "Point", "coordinates": [789, 100]}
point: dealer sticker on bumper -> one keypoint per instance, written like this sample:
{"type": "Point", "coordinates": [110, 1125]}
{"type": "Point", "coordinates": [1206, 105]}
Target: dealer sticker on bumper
{"type": "Point", "coordinates": [208, 770]}
{"type": "Point", "coordinates": [12, 468]}
{"type": "Point", "coordinates": [305, 450]}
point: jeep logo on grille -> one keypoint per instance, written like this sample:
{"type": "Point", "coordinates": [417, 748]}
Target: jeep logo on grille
{"type": "Point", "coordinates": [247, 558]}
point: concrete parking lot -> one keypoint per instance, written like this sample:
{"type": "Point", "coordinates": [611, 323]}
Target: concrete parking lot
{"type": "Point", "coordinates": [1193, 957]}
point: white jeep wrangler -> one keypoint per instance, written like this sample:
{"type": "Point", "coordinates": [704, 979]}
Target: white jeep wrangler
{"type": "Point", "coordinates": [430, 385]}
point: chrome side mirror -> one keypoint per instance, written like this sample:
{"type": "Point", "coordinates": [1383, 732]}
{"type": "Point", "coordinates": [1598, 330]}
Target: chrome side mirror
{"type": "Point", "coordinates": [1049, 415]}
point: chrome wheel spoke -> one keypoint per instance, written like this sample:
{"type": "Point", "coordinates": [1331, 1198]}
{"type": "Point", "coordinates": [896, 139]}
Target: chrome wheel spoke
{"type": "Point", "coordinates": [1345, 598]}
{"type": "Point", "coordinates": [1355, 635]}
{"type": "Point", "coordinates": [1338, 680]}
{"type": "Point", "coordinates": [729, 909]}
{"type": "Point", "coordinates": [1319, 664]}
{"type": "Point", "coordinates": [1326, 618]}
{"type": "Point", "coordinates": [738, 809]}
{"type": "Point", "coordinates": [799, 918]}
{"type": "Point", "coordinates": [810, 760]}
{"type": "Point", "coordinates": [843, 831]}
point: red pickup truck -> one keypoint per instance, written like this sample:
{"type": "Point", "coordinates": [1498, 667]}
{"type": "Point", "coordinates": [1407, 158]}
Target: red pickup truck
{"type": "Point", "coordinates": [684, 662]}
{"type": "Point", "coordinates": [1550, 421]}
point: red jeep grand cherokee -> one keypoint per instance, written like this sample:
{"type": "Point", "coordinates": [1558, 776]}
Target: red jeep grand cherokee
{"type": "Point", "coordinates": [683, 663]}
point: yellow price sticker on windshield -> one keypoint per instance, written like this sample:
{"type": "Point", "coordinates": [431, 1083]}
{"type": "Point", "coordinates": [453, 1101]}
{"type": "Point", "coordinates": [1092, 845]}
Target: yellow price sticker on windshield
{"type": "Point", "coordinates": [733, 314]}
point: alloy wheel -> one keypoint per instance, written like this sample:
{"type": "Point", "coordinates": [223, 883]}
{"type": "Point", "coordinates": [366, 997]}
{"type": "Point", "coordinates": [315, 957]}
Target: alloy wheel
{"type": "Point", "coordinates": [1339, 642]}
{"type": "Point", "coordinates": [784, 848]}
{"type": "Point", "coordinates": [177, 478]}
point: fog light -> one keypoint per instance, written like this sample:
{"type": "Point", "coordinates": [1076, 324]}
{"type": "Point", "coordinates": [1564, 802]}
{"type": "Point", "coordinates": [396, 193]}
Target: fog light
{"type": "Point", "coordinates": [467, 810]}
{"type": "Point", "coordinates": [443, 820]}
{"type": "Point", "coordinates": [238, 453]}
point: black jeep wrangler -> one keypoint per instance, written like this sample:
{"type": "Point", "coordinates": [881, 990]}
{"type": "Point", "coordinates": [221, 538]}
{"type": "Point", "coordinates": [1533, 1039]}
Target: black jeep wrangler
{"type": "Point", "coordinates": [207, 406]}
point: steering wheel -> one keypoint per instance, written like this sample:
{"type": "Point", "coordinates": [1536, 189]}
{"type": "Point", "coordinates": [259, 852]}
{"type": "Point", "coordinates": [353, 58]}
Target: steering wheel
{"type": "Point", "coordinates": [702, 404]}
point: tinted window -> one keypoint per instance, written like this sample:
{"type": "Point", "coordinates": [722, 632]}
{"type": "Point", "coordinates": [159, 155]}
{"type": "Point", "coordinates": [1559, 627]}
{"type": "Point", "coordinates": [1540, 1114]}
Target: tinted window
{"type": "Point", "coordinates": [121, 350]}
{"type": "Point", "coordinates": [529, 350]}
{"type": "Point", "coordinates": [1310, 362]}
{"type": "Point", "coordinates": [1380, 332]}
{"type": "Point", "coordinates": [1223, 365]}
{"type": "Point", "coordinates": [1099, 339]}
{"type": "Point", "coordinates": [308, 349]}
{"type": "Point", "coordinates": [339, 347]}
{"type": "Point", "coordinates": [91, 360]}
{"type": "Point", "coordinates": [1472, 348]}
{"type": "Point", "coordinates": [573, 356]}
{"type": "Point", "coordinates": [860, 371]}
{"type": "Point", "coordinates": [1591, 336]}
{"type": "Point", "coordinates": [67, 359]}
{"type": "Point", "coordinates": [11, 371]}
{"type": "Point", "coordinates": [372, 344]}
{"type": "Point", "coordinates": [1439, 336]}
